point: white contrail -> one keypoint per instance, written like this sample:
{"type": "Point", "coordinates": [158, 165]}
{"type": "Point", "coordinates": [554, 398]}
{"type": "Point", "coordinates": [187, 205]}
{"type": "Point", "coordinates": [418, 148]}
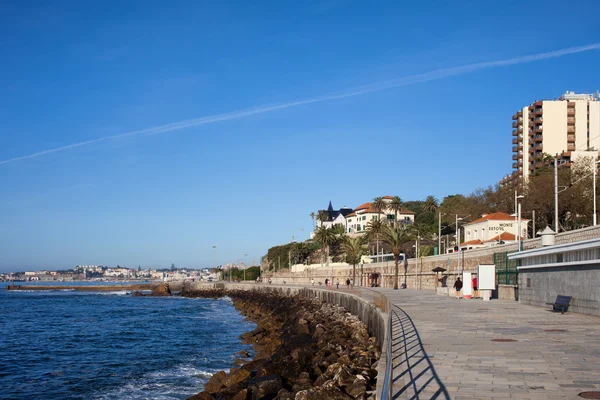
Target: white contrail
{"type": "Point", "coordinates": [376, 87]}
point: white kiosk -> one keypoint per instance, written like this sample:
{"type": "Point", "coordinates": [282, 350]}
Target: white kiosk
{"type": "Point", "coordinates": [467, 285]}
{"type": "Point", "coordinates": [486, 276]}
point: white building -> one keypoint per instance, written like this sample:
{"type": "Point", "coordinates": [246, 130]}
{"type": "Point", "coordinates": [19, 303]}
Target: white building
{"type": "Point", "coordinates": [357, 221]}
{"type": "Point", "coordinates": [493, 228]}
{"type": "Point", "coordinates": [561, 126]}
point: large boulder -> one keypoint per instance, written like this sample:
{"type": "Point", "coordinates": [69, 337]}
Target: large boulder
{"type": "Point", "coordinates": [265, 386]}
{"type": "Point", "coordinates": [215, 383]}
{"type": "Point", "coordinates": [161, 290]}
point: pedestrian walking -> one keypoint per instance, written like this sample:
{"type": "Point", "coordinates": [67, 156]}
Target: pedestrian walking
{"type": "Point", "coordinates": [458, 286]}
{"type": "Point", "coordinates": [337, 284]}
{"type": "Point", "coordinates": [475, 291]}
{"type": "Point", "coordinates": [348, 283]}
{"type": "Point", "coordinates": [312, 281]}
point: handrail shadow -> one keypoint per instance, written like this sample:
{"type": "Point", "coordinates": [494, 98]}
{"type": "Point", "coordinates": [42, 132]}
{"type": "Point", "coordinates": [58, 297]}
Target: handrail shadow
{"type": "Point", "coordinates": [412, 370]}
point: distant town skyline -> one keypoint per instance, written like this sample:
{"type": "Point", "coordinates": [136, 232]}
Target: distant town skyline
{"type": "Point", "coordinates": [146, 135]}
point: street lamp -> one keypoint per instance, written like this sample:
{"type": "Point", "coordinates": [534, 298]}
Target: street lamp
{"type": "Point", "coordinates": [519, 197]}
{"type": "Point", "coordinates": [214, 257]}
{"type": "Point", "coordinates": [245, 255]}
{"type": "Point", "coordinates": [440, 232]}
{"type": "Point", "coordinates": [594, 174]}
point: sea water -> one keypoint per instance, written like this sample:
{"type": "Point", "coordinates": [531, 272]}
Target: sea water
{"type": "Point", "coordinates": [95, 345]}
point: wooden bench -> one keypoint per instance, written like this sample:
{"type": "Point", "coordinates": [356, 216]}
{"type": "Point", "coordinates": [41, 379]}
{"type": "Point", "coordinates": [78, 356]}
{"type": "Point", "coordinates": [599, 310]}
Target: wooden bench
{"type": "Point", "coordinates": [561, 303]}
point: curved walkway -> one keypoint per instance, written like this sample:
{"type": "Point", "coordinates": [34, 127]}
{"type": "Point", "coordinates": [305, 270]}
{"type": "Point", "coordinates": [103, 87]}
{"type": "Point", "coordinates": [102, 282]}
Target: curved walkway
{"type": "Point", "coordinates": [447, 348]}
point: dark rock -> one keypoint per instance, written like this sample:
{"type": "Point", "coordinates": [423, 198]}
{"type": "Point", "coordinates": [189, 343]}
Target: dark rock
{"type": "Point", "coordinates": [241, 395]}
{"type": "Point", "coordinates": [161, 290]}
{"type": "Point", "coordinates": [237, 377]}
{"type": "Point", "coordinates": [201, 396]}
{"type": "Point", "coordinates": [265, 386]}
{"type": "Point", "coordinates": [137, 294]}
{"type": "Point", "coordinates": [243, 353]}
{"type": "Point", "coordinates": [358, 388]}
{"type": "Point", "coordinates": [215, 383]}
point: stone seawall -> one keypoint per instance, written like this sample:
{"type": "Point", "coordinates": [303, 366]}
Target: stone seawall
{"type": "Point", "coordinates": [369, 306]}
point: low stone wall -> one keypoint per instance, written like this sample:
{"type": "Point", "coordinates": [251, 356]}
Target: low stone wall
{"type": "Point", "coordinates": [541, 285]}
{"type": "Point", "coordinates": [508, 292]}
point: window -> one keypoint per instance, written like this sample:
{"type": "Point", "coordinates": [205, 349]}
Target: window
{"type": "Point", "coordinates": [391, 217]}
{"type": "Point", "coordinates": [475, 234]}
{"type": "Point", "coordinates": [357, 228]}
{"type": "Point", "coordinates": [364, 217]}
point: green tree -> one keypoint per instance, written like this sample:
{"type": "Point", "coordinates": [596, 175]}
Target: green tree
{"type": "Point", "coordinates": [355, 248]}
{"type": "Point", "coordinates": [379, 205]}
{"type": "Point", "coordinates": [396, 207]}
{"type": "Point", "coordinates": [395, 237]}
{"type": "Point", "coordinates": [374, 229]}
{"type": "Point", "coordinates": [325, 237]}
{"type": "Point", "coordinates": [430, 204]}
{"type": "Point", "coordinates": [312, 216]}
{"type": "Point", "coordinates": [322, 216]}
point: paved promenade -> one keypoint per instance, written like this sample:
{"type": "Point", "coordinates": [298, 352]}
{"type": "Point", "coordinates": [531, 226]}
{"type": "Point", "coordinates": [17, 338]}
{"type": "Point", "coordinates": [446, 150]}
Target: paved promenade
{"type": "Point", "coordinates": [550, 356]}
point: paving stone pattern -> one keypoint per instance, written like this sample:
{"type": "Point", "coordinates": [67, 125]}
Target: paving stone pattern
{"type": "Point", "coordinates": [457, 337]}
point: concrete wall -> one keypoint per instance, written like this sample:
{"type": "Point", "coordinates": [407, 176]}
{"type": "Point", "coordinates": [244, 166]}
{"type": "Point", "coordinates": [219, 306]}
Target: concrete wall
{"type": "Point", "coordinates": [542, 285]}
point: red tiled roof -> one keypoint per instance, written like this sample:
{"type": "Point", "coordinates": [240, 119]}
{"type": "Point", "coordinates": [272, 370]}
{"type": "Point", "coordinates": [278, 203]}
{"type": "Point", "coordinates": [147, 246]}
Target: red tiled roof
{"type": "Point", "coordinates": [476, 241]}
{"type": "Point", "coordinates": [497, 216]}
{"type": "Point", "coordinates": [368, 207]}
{"type": "Point", "coordinates": [503, 236]}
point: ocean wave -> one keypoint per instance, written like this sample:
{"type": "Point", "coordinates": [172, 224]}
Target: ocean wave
{"type": "Point", "coordinates": [172, 383]}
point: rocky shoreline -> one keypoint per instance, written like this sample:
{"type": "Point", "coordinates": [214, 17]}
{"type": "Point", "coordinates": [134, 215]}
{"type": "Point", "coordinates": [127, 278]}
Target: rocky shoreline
{"type": "Point", "coordinates": [304, 349]}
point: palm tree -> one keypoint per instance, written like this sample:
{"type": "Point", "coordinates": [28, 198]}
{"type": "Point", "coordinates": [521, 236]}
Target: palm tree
{"type": "Point", "coordinates": [395, 237]}
{"type": "Point", "coordinates": [355, 248]}
{"type": "Point", "coordinates": [325, 237]}
{"type": "Point", "coordinates": [312, 216]}
{"type": "Point", "coordinates": [323, 216]}
{"type": "Point", "coordinates": [373, 231]}
{"type": "Point", "coordinates": [418, 231]}
{"type": "Point", "coordinates": [396, 207]}
{"type": "Point", "coordinates": [431, 204]}
{"type": "Point", "coordinates": [379, 205]}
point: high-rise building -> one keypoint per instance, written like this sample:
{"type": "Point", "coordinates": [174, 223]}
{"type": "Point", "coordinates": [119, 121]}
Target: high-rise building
{"type": "Point", "coordinates": [568, 127]}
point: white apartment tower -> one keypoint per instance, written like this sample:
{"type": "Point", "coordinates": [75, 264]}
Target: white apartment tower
{"type": "Point", "coordinates": [564, 126]}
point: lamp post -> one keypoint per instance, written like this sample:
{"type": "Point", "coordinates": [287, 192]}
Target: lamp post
{"type": "Point", "coordinates": [440, 233]}
{"type": "Point", "coordinates": [518, 216]}
{"type": "Point", "coordinates": [595, 218]}
{"type": "Point", "coordinates": [215, 258]}
{"type": "Point", "coordinates": [245, 255]}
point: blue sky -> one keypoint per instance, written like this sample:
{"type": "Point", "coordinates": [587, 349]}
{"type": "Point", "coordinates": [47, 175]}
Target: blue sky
{"type": "Point", "coordinates": [73, 73]}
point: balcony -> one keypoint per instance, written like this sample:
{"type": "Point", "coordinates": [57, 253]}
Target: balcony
{"type": "Point", "coordinates": [571, 138]}
{"type": "Point", "coordinates": [537, 129]}
{"type": "Point", "coordinates": [537, 111]}
{"type": "Point", "coordinates": [570, 112]}
{"type": "Point", "coordinates": [515, 140]}
{"type": "Point", "coordinates": [515, 132]}
{"type": "Point", "coordinates": [537, 138]}
{"type": "Point", "coordinates": [520, 128]}
{"type": "Point", "coordinates": [571, 120]}
{"type": "Point", "coordinates": [570, 129]}
{"type": "Point", "coordinates": [515, 157]}
{"type": "Point", "coordinates": [515, 124]}
{"type": "Point", "coordinates": [518, 147]}
{"type": "Point", "coordinates": [537, 147]}
{"type": "Point", "coordinates": [570, 146]}
{"type": "Point", "coordinates": [518, 116]}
